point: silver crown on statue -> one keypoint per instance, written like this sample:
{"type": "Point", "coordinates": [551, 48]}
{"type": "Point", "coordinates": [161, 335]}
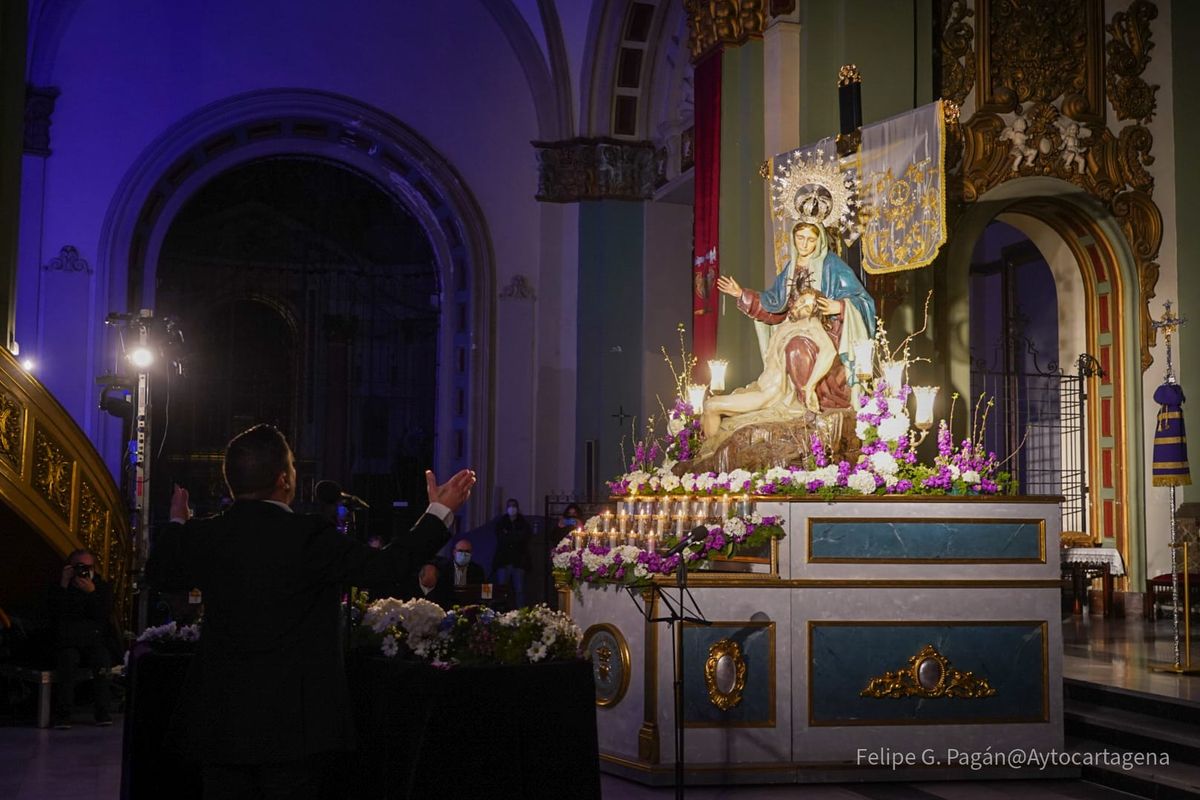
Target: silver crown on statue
{"type": "Point", "coordinates": [811, 186]}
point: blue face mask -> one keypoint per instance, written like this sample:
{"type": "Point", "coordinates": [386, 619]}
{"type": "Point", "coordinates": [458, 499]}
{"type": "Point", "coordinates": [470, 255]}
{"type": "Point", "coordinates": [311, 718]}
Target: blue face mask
{"type": "Point", "coordinates": [570, 522]}
{"type": "Point", "coordinates": [462, 557]}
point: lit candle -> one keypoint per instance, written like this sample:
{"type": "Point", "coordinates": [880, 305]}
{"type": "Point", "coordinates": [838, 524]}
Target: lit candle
{"type": "Point", "coordinates": [660, 524]}
{"type": "Point", "coordinates": [925, 396]}
{"type": "Point", "coordinates": [579, 538]}
{"type": "Point", "coordinates": [623, 519]}
{"type": "Point", "coordinates": [651, 543]}
{"type": "Point", "coordinates": [893, 374]}
{"type": "Point", "coordinates": [716, 371]}
{"type": "Point", "coordinates": [696, 392]}
{"type": "Point", "coordinates": [864, 359]}
{"type": "Point", "coordinates": [745, 504]}
{"type": "Point", "coordinates": [724, 508]}
{"type": "Point", "coordinates": [679, 522]}
{"type": "Point", "coordinates": [608, 521]}
{"type": "Point", "coordinates": [612, 539]}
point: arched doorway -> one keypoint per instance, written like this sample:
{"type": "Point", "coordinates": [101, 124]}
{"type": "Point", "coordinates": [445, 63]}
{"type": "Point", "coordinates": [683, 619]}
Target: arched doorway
{"type": "Point", "coordinates": [308, 299]}
{"type": "Point", "coordinates": [1097, 304]}
{"type": "Point", "coordinates": [315, 125]}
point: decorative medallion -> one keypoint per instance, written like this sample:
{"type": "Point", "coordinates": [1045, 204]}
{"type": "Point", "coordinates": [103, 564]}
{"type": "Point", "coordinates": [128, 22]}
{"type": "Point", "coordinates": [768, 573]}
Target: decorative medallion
{"type": "Point", "coordinates": [609, 654]}
{"type": "Point", "coordinates": [12, 417]}
{"type": "Point", "coordinates": [713, 23]}
{"type": "Point", "coordinates": [958, 55]}
{"type": "Point", "coordinates": [595, 169]}
{"type": "Point", "coordinates": [725, 674]}
{"type": "Point", "coordinates": [52, 472]}
{"type": "Point", "coordinates": [518, 288]}
{"type": "Point", "coordinates": [849, 74]}
{"type": "Point", "coordinates": [929, 674]}
{"type": "Point", "coordinates": [1128, 54]}
{"type": "Point", "coordinates": [68, 260]}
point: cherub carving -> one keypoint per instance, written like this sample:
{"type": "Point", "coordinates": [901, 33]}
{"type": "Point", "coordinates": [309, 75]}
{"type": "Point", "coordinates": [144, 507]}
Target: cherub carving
{"type": "Point", "coordinates": [1073, 149]}
{"type": "Point", "coordinates": [1021, 150]}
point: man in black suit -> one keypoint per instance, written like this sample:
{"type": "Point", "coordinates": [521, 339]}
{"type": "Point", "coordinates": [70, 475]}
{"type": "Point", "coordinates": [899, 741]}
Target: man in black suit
{"type": "Point", "coordinates": [450, 575]}
{"type": "Point", "coordinates": [266, 700]}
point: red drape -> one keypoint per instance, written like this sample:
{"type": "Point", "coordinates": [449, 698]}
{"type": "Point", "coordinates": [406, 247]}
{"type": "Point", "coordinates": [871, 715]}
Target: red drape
{"type": "Point", "coordinates": [706, 230]}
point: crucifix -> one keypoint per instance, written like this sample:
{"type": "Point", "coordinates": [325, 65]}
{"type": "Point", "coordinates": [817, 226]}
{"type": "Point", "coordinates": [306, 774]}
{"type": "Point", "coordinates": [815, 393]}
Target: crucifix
{"type": "Point", "coordinates": [621, 416]}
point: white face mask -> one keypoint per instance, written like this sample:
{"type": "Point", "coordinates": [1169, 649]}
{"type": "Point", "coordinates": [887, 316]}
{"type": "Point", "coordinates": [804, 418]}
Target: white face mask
{"type": "Point", "coordinates": [462, 557]}
{"type": "Point", "coordinates": [512, 512]}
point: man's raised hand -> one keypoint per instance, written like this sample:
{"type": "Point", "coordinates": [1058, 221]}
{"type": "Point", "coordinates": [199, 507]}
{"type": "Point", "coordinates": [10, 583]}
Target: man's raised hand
{"type": "Point", "coordinates": [454, 492]}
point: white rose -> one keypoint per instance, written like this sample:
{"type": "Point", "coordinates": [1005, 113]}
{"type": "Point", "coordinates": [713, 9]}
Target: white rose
{"type": "Point", "coordinates": [884, 463]}
{"type": "Point", "coordinates": [862, 482]}
{"type": "Point", "coordinates": [971, 476]}
{"type": "Point", "coordinates": [890, 430]}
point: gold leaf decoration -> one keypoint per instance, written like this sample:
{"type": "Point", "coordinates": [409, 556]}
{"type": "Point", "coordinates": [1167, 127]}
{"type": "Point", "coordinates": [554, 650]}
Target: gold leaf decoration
{"type": "Point", "coordinates": [712, 23]}
{"type": "Point", "coordinates": [93, 518]}
{"type": "Point", "coordinates": [726, 655]}
{"type": "Point", "coordinates": [928, 674]}
{"type": "Point", "coordinates": [12, 417]}
{"type": "Point", "coordinates": [958, 53]}
{"type": "Point", "coordinates": [52, 472]}
{"type": "Point", "coordinates": [1128, 53]}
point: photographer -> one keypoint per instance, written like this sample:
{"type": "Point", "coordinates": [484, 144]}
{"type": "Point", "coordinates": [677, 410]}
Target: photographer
{"type": "Point", "coordinates": [81, 608]}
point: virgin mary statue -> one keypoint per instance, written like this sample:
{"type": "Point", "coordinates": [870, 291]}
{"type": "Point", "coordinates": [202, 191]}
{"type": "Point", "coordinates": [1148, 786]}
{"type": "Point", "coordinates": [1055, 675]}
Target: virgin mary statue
{"type": "Point", "coordinates": [788, 384]}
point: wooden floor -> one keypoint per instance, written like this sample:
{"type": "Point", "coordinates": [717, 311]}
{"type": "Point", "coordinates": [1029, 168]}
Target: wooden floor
{"type": "Point", "coordinates": [84, 762]}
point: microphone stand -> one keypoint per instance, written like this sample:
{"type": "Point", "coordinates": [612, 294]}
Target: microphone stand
{"type": "Point", "coordinates": [676, 612]}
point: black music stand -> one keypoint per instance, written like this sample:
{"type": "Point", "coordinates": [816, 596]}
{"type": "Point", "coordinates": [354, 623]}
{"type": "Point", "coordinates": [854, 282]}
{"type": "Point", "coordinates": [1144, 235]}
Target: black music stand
{"type": "Point", "coordinates": [677, 612]}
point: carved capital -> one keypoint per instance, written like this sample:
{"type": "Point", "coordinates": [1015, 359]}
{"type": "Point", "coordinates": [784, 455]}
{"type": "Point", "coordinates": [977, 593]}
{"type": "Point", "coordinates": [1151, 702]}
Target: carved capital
{"type": "Point", "coordinates": [714, 23]}
{"type": "Point", "coordinates": [39, 107]}
{"type": "Point", "coordinates": [595, 169]}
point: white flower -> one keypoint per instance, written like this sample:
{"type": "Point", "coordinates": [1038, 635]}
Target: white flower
{"type": "Point", "coordinates": [955, 473]}
{"type": "Point", "coordinates": [637, 479]}
{"type": "Point", "coordinates": [705, 482]}
{"type": "Point", "coordinates": [890, 480]}
{"type": "Point", "coordinates": [668, 464]}
{"type": "Point", "coordinates": [640, 571]}
{"type": "Point", "coordinates": [675, 425]}
{"type": "Point", "coordinates": [735, 528]}
{"type": "Point", "coordinates": [688, 481]}
{"type": "Point", "coordinates": [383, 614]}
{"type": "Point", "coordinates": [777, 474]}
{"type": "Point", "coordinates": [971, 476]}
{"type": "Point", "coordinates": [890, 430]}
{"type": "Point", "coordinates": [884, 463]}
{"type": "Point", "coordinates": [593, 524]}
{"type": "Point", "coordinates": [654, 483]}
{"type": "Point", "coordinates": [860, 429]}
{"type": "Point", "coordinates": [390, 645]}
{"type": "Point", "coordinates": [739, 480]}
{"type": "Point", "coordinates": [563, 560]}
{"type": "Point", "coordinates": [862, 482]}
{"type": "Point", "coordinates": [894, 407]}
{"type": "Point", "coordinates": [536, 651]}
{"type": "Point", "coordinates": [669, 482]}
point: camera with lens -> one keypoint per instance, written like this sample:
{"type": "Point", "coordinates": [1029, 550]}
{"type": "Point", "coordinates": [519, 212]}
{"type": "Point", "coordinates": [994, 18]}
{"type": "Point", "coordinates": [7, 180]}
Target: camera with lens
{"type": "Point", "coordinates": [83, 571]}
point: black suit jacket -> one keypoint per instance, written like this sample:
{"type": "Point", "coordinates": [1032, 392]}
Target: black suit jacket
{"type": "Point", "coordinates": [268, 682]}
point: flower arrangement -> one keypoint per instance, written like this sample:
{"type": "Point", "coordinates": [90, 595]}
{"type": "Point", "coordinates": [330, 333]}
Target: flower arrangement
{"type": "Point", "coordinates": [629, 565]}
{"type": "Point", "coordinates": [886, 464]}
{"type": "Point", "coordinates": [171, 632]}
{"type": "Point", "coordinates": [470, 635]}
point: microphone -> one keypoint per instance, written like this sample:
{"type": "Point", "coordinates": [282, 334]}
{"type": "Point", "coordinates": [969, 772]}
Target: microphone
{"type": "Point", "coordinates": [696, 534]}
{"type": "Point", "coordinates": [329, 493]}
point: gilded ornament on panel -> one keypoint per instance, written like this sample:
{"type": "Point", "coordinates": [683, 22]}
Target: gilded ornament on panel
{"type": "Point", "coordinates": [12, 417]}
{"type": "Point", "coordinates": [1128, 55]}
{"type": "Point", "coordinates": [93, 518]}
{"type": "Point", "coordinates": [929, 674]}
{"type": "Point", "coordinates": [52, 472]}
{"type": "Point", "coordinates": [725, 674]}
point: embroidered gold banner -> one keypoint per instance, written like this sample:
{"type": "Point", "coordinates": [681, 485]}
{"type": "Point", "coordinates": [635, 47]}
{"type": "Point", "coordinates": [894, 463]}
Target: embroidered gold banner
{"type": "Point", "coordinates": [903, 213]}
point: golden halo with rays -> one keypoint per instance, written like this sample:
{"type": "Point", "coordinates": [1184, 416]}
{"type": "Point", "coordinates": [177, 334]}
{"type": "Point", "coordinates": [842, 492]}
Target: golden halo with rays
{"type": "Point", "coordinates": [811, 187]}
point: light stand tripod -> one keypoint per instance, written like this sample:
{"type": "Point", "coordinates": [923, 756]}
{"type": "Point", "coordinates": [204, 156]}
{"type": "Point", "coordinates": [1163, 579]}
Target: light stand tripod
{"type": "Point", "coordinates": [676, 612]}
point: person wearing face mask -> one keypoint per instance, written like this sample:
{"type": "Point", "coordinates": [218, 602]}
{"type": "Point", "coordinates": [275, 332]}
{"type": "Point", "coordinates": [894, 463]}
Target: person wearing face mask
{"type": "Point", "coordinates": [439, 579]}
{"type": "Point", "coordinates": [512, 550]}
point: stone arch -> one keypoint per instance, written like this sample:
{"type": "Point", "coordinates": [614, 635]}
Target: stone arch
{"type": "Point", "coordinates": [1044, 209]}
{"type": "Point", "coordinates": [268, 123]}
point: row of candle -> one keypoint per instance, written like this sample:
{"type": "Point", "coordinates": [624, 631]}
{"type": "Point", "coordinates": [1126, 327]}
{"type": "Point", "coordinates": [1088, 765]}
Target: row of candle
{"type": "Point", "coordinates": [673, 506]}
{"type": "Point", "coordinates": [644, 522]}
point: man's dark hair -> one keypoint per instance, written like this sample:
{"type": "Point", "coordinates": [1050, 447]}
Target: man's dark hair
{"type": "Point", "coordinates": [512, 501]}
{"type": "Point", "coordinates": [83, 551]}
{"type": "Point", "coordinates": [254, 459]}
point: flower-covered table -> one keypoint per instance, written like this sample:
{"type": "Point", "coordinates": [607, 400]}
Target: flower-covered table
{"type": "Point", "coordinates": [915, 625]}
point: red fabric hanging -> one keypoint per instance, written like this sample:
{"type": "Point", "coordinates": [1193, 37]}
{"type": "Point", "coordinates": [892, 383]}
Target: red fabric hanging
{"type": "Point", "coordinates": [706, 228]}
